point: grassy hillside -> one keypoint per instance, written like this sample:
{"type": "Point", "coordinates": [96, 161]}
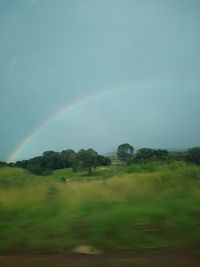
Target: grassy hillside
{"type": "Point", "coordinates": [116, 209]}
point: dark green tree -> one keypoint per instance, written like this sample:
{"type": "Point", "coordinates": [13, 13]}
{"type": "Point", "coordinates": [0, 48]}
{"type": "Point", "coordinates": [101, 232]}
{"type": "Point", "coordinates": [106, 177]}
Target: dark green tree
{"type": "Point", "coordinates": [145, 154]}
{"type": "Point", "coordinates": [52, 160]}
{"type": "Point", "coordinates": [125, 153]}
{"type": "Point", "coordinates": [3, 164]}
{"type": "Point", "coordinates": [193, 155]}
{"type": "Point", "coordinates": [86, 159]}
{"type": "Point", "coordinates": [22, 163]}
{"type": "Point", "coordinates": [68, 158]}
{"type": "Point", "coordinates": [149, 154]}
{"type": "Point", "coordinates": [103, 161]}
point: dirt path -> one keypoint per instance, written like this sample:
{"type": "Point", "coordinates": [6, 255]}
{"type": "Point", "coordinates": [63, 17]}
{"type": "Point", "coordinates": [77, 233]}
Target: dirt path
{"type": "Point", "coordinates": [153, 259]}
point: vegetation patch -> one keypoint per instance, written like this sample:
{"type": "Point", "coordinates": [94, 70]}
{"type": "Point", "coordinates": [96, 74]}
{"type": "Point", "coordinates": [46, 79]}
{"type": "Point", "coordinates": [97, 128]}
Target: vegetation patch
{"type": "Point", "coordinates": [117, 208]}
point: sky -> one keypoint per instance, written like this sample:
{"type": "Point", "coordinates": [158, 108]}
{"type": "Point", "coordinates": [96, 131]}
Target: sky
{"type": "Point", "coordinates": [89, 73]}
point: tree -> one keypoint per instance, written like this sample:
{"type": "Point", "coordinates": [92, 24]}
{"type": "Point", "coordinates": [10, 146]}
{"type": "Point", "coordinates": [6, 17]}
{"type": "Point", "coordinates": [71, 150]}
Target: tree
{"type": "Point", "coordinates": [38, 166]}
{"type": "Point", "coordinates": [86, 159]}
{"type": "Point", "coordinates": [193, 155]}
{"type": "Point", "coordinates": [22, 164]}
{"type": "Point", "coordinates": [3, 164]}
{"type": "Point", "coordinates": [125, 153]}
{"type": "Point", "coordinates": [148, 154]}
{"type": "Point", "coordinates": [145, 154]}
{"type": "Point", "coordinates": [68, 157]}
{"type": "Point", "coordinates": [103, 161]}
{"type": "Point", "coordinates": [52, 160]}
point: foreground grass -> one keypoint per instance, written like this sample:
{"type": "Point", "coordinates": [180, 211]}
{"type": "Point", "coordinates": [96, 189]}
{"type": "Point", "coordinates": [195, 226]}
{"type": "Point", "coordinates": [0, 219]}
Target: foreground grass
{"type": "Point", "coordinates": [117, 209]}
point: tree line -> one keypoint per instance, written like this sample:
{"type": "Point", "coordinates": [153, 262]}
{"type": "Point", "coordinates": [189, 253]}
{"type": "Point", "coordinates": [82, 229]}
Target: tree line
{"type": "Point", "coordinates": [125, 153]}
{"type": "Point", "coordinates": [84, 159]}
{"type": "Point", "coordinates": [88, 159]}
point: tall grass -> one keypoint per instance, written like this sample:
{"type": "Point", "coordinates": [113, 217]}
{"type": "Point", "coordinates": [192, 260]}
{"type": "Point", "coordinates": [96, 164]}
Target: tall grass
{"type": "Point", "coordinates": [138, 207]}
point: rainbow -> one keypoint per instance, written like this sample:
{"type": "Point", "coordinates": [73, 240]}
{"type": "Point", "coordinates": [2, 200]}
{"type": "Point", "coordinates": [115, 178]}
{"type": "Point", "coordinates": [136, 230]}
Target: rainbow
{"type": "Point", "coordinates": [55, 116]}
{"type": "Point", "coordinates": [67, 108]}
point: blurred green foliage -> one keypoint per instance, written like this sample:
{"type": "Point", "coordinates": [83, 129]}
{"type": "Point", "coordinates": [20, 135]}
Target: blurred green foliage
{"type": "Point", "coordinates": [118, 208]}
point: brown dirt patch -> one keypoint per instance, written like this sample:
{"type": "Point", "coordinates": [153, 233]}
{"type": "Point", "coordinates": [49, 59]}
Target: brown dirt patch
{"type": "Point", "coordinates": [148, 259]}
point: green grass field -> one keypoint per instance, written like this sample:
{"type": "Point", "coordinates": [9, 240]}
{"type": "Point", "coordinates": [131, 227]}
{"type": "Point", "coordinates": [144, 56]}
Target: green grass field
{"type": "Point", "coordinates": [136, 207]}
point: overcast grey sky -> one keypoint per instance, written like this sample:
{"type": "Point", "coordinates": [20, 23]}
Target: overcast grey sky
{"type": "Point", "coordinates": [142, 55]}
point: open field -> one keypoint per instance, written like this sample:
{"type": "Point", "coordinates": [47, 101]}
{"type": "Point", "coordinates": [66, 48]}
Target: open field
{"type": "Point", "coordinates": [117, 209]}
